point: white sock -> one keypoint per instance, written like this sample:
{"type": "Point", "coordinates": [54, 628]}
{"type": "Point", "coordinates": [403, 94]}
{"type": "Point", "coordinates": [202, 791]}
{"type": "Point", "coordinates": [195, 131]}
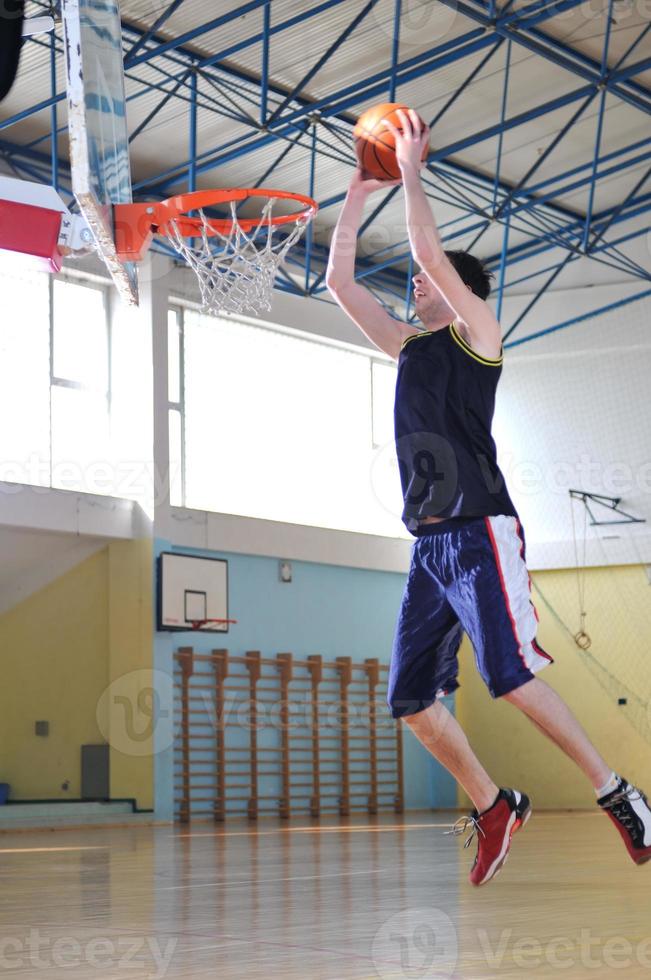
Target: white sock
{"type": "Point", "coordinates": [608, 787]}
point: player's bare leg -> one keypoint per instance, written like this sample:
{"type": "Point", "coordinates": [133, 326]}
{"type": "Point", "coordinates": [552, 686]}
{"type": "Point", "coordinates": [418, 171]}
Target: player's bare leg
{"type": "Point", "coordinates": [444, 738]}
{"type": "Point", "coordinates": [551, 715]}
{"type": "Point", "coordinates": [626, 805]}
{"type": "Point", "coordinates": [498, 812]}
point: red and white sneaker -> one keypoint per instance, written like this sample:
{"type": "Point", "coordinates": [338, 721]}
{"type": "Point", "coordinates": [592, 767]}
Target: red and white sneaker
{"type": "Point", "coordinates": [494, 828]}
{"type": "Point", "coordinates": [628, 808]}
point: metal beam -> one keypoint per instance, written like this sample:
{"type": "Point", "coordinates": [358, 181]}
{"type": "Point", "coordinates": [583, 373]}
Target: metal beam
{"type": "Point", "coordinates": [466, 82]}
{"type": "Point", "coordinates": [395, 49]}
{"type": "Point", "coordinates": [151, 32]}
{"type": "Point", "coordinates": [543, 289]}
{"type": "Point", "coordinates": [166, 179]}
{"type": "Point", "coordinates": [532, 209]}
{"type": "Point", "coordinates": [620, 207]}
{"type": "Point", "coordinates": [635, 207]}
{"type": "Point", "coordinates": [332, 105]}
{"type": "Point", "coordinates": [264, 81]}
{"type": "Point", "coordinates": [162, 47]}
{"type": "Point", "coordinates": [598, 311]}
{"type": "Point", "coordinates": [547, 47]}
{"type": "Point", "coordinates": [325, 57]}
{"type": "Point", "coordinates": [600, 122]}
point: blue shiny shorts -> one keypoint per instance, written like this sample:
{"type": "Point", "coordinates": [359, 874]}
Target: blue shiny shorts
{"type": "Point", "coordinates": [466, 575]}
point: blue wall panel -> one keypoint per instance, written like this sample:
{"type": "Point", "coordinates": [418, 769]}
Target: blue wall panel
{"type": "Point", "coordinates": [327, 610]}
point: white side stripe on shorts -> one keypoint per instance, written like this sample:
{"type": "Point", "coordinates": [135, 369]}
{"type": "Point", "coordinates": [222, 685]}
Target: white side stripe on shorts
{"type": "Point", "coordinates": [514, 578]}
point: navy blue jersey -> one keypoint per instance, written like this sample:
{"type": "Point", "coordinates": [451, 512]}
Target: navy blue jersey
{"type": "Point", "coordinates": [445, 399]}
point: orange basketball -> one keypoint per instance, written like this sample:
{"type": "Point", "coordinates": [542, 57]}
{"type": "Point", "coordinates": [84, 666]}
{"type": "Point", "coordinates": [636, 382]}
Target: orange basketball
{"type": "Point", "coordinates": [375, 145]}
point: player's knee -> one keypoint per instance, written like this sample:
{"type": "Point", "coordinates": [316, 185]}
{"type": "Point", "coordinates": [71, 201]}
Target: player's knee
{"type": "Point", "coordinates": [429, 723]}
{"type": "Point", "coordinates": [402, 708]}
{"type": "Point", "coordinates": [519, 696]}
{"type": "Point", "coordinates": [398, 703]}
{"type": "Point", "coordinates": [407, 709]}
{"type": "Point", "coordinates": [510, 696]}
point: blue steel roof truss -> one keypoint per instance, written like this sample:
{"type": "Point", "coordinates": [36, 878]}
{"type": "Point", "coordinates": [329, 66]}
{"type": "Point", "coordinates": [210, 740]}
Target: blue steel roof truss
{"type": "Point", "coordinates": [322, 124]}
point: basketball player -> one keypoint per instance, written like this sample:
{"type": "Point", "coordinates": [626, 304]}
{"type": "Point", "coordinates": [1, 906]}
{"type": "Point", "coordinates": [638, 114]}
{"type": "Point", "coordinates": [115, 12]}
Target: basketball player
{"type": "Point", "coordinates": [468, 568]}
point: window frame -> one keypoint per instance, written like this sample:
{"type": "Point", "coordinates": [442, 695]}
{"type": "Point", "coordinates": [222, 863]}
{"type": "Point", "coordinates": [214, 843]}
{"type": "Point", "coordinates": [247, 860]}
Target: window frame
{"type": "Point", "coordinates": [57, 382]}
{"type": "Point", "coordinates": [178, 406]}
{"type": "Point", "coordinates": [180, 307]}
{"type": "Point", "coordinates": [106, 304]}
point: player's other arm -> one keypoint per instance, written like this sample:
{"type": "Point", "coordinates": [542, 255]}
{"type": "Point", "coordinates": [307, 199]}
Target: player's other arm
{"type": "Point", "coordinates": [361, 306]}
{"type": "Point", "coordinates": [427, 248]}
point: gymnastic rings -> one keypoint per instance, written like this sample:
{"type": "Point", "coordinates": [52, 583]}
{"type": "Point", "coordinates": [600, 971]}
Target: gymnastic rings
{"type": "Point", "coordinates": [582, 640]}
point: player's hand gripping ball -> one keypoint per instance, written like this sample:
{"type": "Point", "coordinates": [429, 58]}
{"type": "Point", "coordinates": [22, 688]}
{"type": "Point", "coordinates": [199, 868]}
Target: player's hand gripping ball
{"type": "Point", "coordinates": [375, 143]}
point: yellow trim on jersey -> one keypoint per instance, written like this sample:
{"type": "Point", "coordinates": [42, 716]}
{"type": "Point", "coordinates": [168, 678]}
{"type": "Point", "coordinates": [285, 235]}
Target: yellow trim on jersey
{"type": "Point", "coordinates": [421, 333]}
{"type": "Point", "coordinates": [488, 361]}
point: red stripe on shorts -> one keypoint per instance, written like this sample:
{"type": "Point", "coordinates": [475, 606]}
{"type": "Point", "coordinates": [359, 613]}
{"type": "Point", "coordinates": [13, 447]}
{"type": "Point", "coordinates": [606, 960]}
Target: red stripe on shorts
{"type": "Point", "coordinates": [504, 591]}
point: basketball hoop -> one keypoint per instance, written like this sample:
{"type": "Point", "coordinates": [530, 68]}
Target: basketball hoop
{"type": "Point", "coordinates": [209, 624]}
{"type": "Point", "coordinates": [235, 259]}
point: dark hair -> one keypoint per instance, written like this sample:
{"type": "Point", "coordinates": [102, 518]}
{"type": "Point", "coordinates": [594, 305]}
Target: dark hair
{"type": "Point", "coordinates": [472, 271]}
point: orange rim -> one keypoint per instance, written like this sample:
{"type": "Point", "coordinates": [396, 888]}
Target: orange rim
{"type": "Point", "coordinates": [177, 208]}
{"type": "Point", "coordinates": [134, 225]}
{"type": "Point", "coordinates": [198, 623]}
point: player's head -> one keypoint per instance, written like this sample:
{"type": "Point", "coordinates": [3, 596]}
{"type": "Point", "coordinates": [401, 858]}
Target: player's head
{"type": "Point", "coordinates": [429, 304]}
{"type": "Point", "coordinates": [473, 272]}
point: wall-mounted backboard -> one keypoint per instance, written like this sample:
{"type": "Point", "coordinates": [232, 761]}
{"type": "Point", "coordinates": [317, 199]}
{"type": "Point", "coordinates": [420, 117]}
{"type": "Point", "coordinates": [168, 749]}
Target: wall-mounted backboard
{"type": "Point", "coordinates": [97, 126]}
{"type": "Point", "coordinates": [192, 590]}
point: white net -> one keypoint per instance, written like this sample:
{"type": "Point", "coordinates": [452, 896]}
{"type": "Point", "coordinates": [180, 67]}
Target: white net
{"type": "Point", "coordinates": [236, 270]}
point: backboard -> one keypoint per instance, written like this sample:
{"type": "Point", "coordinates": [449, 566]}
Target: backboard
{"type": "Point", "coordinates": [192, 588]}
{"type": "Point", "coordinates": [97, 123]}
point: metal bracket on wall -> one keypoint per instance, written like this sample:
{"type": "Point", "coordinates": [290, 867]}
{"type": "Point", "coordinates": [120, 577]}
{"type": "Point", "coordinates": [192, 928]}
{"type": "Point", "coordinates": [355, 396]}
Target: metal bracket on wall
{"type": "Point", "coordinates": [612, 503]}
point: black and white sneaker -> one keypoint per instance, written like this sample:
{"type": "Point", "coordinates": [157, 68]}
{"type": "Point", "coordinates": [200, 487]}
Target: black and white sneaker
{"type": "Point", "coordinates": [628, 808]}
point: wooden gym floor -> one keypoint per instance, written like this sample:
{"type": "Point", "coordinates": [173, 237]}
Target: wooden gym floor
{"type": "Point", "coordinates": [347, 898]}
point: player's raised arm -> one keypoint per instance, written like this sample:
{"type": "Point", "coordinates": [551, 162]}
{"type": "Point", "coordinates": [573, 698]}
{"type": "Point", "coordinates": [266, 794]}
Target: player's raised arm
{"type": "Point", "coordinates": [426, 245]}
{"type": "Point", "coordinates": [361, 306]}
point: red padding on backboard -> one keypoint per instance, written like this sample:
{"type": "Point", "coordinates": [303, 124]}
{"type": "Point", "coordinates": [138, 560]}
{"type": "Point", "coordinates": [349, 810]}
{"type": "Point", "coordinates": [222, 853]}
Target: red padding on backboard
{"type": "Point", "coordinates": [32, 232]}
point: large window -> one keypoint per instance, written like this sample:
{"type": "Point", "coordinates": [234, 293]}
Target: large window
{"type": "Point", "coordinates": [80, 385]}
{"type": "Point", "coordinates": [175, 386]}
{"type": "Point", "coordinates": [25, 378]}
{"type": "Point", "coordinates": [75, 391]}
{"type": "Point", "coordinates": [272, 424]}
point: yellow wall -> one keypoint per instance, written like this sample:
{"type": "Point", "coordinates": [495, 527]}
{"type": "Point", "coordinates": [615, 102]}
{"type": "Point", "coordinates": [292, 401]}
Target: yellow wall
{"type": "Point", "coordinates": [618, 602]}
{"type": "Point", "coordinates": [61, 651]}
{"type": "Point", "coordinates": [131, 625]}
